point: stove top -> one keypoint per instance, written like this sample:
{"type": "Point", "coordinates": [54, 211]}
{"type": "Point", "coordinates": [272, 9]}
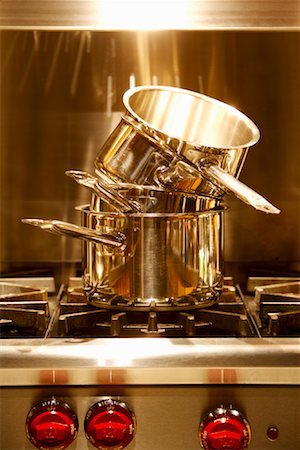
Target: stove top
{"type": "Point", "coordinates": [247, 338]}
{"type": "Point", "coordinates": [172, 366]}
{"type": "Point", "coordinates": [32, 308]}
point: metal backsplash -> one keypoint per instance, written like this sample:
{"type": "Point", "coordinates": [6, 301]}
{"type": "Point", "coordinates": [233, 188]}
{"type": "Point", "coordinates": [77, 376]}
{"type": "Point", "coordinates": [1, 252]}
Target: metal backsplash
{"type": "Point", "coordinates": [61, 96]}
{"type": "Point", "coordinates": [149, 14]}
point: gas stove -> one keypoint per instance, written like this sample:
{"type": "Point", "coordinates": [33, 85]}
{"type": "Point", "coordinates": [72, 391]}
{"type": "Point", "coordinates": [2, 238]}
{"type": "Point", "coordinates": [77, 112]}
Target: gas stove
{"type": "Point", "coordinates": [270, 307]}
{"type": "Point", "coordinates": [79, 375]}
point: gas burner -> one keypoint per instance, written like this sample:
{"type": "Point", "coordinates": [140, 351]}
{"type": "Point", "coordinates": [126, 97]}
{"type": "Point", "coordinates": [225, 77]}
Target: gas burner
{"type": "Point", "coordinates": [24, 310]}
{"type": "Point", "coordinates": [79, 317]}
{"type": "Point", "coordinates": [116, 302]}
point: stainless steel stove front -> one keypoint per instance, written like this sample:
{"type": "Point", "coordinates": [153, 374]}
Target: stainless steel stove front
{"type": "Point", "coordinates": [168, 417]}
{"type": "Point", "coordinates": [170, 385]}
{"type": "Point", "coordinates": [172, 391]}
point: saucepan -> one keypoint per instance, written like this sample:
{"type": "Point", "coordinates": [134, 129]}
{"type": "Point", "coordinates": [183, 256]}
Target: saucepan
{"type": "Point", "coordinates": [179, 139]}
{"type": "Point", "coordinates": [158, 258]}
{"type": "Point", "coordinates": [133, 198]}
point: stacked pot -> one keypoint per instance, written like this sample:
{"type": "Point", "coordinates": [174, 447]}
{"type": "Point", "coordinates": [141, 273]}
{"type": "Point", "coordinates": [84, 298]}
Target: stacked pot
{"type": "Point", "coordinates": [153, 231]}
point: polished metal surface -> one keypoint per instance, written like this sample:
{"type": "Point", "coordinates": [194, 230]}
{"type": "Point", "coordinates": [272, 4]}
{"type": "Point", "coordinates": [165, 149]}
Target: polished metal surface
{"type": "Point", "coordinates": [104, 191]}
{"type": "Point", "coordinates": [148, 257]}
{"type": "Point", "coordinates": [222, 178]}
{"type": "Point", "coordinates": [168, 417]}
{"type": "Point", "coordinates": [188, 120]}
{"type": "Point", "coordinates": [131, 155]}
{"type": "Point", "coordinates": [136, 152]}
{"type": "Point", "coordinates": [140, 361]}
{"type": "Point", "coordinates": [165, 126]}
{"type": "Point", "coordinates": [155, 200]}
{"type": "Point", "coordinates": [167, 256]}
{"type": "Point", "coordinates": [115, 240]}
{"type": "Point", "coordinates": [132, 14]}
{"type": "Point", "coordinates": [180, 139]}
{"type": "Point", "coordinates": [61, 96]}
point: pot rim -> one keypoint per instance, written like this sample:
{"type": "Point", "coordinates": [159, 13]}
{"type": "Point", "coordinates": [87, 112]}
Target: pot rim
{"type": "Point", "coordinates": [226, 107]}
{"type": "Point", "coordinates": [214, 211]}
{"type": "Point", "coordinates": [139, 190]}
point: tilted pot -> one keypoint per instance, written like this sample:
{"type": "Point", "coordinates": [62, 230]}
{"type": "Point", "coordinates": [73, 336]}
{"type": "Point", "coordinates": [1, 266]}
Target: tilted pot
{"type": "Point", "coordinates": [126, 198]}
{"type": "Point", "coordinates": [157, 201]}
{"type": "Point", "coordinates": [150, 258]}
{"type": "Point", "coordinates": [167, 256]}
{"type": "Point", "coordinates": [130, 155]}
{"type": "Point", "coordinates": [192, 125]}
{"type": "Point", "coordinates": [183, 140]}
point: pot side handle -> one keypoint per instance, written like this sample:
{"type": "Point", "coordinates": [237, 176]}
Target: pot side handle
{"type": "Point", "coordinates": [116, 240]}
{"type": "Point", "coordinates": [103, 190]}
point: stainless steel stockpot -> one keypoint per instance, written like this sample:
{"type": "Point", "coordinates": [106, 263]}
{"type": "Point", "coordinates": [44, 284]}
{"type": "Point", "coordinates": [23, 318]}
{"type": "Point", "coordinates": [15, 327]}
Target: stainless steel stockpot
{"type": "Point", "coordinates": [147, 259]}
{"type": "Point", "coordinates": [167, 257]}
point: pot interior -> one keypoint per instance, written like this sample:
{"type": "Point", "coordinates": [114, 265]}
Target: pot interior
{"type": "Point", "coordinates": [191, 117]}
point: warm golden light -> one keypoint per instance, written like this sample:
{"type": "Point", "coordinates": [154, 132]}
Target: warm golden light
{"type": "Point", "coordinates": [144, 14]}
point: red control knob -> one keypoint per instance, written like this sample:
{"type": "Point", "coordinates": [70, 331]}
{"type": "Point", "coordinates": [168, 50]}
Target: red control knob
{"type": "Point", "coordinates": [224, 429]}
{"type": "Point", "coordinates": [51, 425]}
{"type": "Point", "coordinates": [109, 424]}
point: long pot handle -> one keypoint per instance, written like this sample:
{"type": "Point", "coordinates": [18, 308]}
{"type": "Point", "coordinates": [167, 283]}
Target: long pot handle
{"type": "Point", "coordinates": [115, 240]}
{"type": "Point", "coordinates": [105, 191]}
{"type": "Point", "coordinates": [224, 180]}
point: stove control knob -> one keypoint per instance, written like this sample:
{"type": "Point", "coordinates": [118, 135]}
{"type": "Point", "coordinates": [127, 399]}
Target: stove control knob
{"type": "Point", "coordinates": [224, 429]}
{"type": "Point", "coordinates": [109, 424]}
{"type": "Point", "coordinates": [51, 425]}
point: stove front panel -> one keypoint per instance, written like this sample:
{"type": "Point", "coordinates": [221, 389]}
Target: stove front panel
{"type": "Point", "coordinates": [167, 417]}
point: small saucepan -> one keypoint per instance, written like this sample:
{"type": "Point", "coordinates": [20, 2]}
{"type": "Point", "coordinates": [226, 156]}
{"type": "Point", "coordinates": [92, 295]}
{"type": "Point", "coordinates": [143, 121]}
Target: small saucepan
{"type": "Point", "coordinates": [133, 198]}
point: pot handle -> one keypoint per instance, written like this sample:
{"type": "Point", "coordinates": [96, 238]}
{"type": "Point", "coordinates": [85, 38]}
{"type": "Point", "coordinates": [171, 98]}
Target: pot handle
{"type": "Point", "coordinates": [115, 240]}
{"type": "Point", "coordinates": [105, 191]}
{"type": "Point", "coordinates": [223, 180]}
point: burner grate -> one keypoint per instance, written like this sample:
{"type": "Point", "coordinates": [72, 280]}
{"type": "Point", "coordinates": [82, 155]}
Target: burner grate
{"type": "Point", "coordinates": [283, 323]}
{"type": "Point", "coordinates": [24, 310]}
{"type": "Point", "coordinates": [272, 310]}
{"type": "Point", "coordinates": [18, 319]}
{"type": "Point", "coordinates": [80, 318]}
{"type": "Point", "coordinates": [278, 307]}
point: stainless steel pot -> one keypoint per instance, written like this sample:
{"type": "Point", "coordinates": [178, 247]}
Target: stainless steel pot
{"type": "Point", "coordinates": [153, 200]}
{"type": "Point", "coordinates": [179, 139]}
{"type": "Point", "coordinates": [160, 259]}
{"type": "Point", "coordinates": [133, 198]}
{"type": "Point", "coordinates": [168, 257]}
{"type": "Point", "coordinates": [131, 155]}
{"type": "Point", "coordinates": [167, 121]}
{"type": "Point", "coordinates": [192, 124]}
